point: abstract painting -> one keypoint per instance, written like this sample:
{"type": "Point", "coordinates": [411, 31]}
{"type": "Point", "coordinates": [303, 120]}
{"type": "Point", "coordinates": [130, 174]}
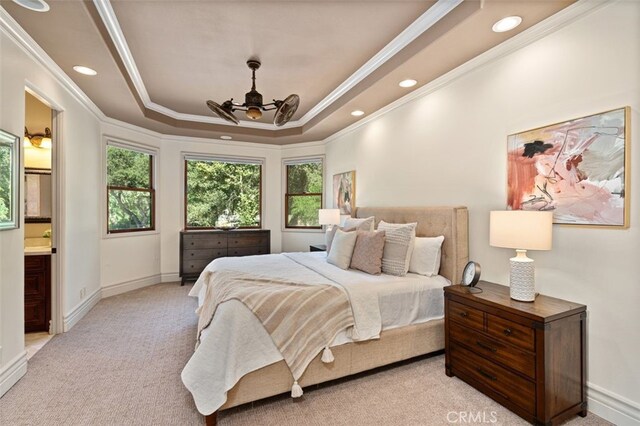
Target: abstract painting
{"type": "Point", "coordinates": [577, 169]}
{"type": "Point", "coordinates": [344, 191]}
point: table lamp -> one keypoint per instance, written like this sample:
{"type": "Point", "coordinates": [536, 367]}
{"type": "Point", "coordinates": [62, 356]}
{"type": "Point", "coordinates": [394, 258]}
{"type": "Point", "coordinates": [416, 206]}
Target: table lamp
{"type": "Point", "coordinates": [329, 216]}
{"type": "Point", "coordinates": [521, 230]}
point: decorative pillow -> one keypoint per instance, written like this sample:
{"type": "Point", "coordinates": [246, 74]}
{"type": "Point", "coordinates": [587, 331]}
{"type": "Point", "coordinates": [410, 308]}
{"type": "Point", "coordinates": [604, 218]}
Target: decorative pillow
{"type": "Point", "coordinates": [425, 259]}
{"type": "Point", "coordinates": [360, 224]}
{"type": "Point", "coordinates": [398, 247]}
{"type": "Point", "coordinates": [367, 254]}
{"type": "Point", "coordinates": [332, 232]}
{"type": "Point", "coordinates": [342, 248]}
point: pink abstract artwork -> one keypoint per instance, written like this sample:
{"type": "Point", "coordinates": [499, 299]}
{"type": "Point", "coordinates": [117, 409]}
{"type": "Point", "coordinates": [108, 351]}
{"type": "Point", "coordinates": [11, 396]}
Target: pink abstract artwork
{"type": "Point", "coordinates": [575, 169]}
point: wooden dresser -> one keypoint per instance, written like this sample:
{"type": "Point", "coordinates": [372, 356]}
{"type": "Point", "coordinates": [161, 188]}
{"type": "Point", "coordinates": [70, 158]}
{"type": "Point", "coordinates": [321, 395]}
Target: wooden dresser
{"type": "Point", "coordinates": [530, 357]}
{"type": "Point", "coordinates": [199, 248]}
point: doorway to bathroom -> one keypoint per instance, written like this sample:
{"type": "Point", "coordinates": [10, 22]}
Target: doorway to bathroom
{"type": "Point", "coordinates": [41, 301]}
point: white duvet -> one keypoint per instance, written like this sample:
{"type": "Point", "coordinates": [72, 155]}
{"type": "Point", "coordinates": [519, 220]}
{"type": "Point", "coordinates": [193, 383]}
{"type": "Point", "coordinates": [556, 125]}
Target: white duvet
{"type": "Point", "coordinates": [236, 344]}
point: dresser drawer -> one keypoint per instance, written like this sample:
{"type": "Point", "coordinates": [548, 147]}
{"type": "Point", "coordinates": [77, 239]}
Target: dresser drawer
{"type": "Point", "coordinates": [204, 254]}
{"type": "Point", "coordinates": [203, 241]}
{"type": "Point", "coordinates": [508, 385]}
{"type": "Point", "coordinates": [466, 315]}
{"type": "Point", "coordinates": [247, 251]}
{"type": "Point", "coordinates": [194, 266]}
{"type": "Point", "coordinates": [494, 350]}
{"type": "Point", "coordinates": [509, 331]}
{"type": "Point", "coordinates": [250, 240]}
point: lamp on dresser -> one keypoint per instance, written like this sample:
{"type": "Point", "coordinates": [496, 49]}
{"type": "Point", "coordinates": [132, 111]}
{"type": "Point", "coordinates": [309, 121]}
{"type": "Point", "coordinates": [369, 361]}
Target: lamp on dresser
{"type": "Point", "coordinates": [521, 230]}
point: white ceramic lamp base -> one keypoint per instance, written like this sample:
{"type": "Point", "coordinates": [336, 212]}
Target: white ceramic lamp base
{"type": "Point", "coordinates": [522, 277]}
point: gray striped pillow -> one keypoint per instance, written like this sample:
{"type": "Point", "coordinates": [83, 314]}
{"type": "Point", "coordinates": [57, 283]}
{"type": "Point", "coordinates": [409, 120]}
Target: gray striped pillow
{"type": "Point", "coordinates": [398, 246]}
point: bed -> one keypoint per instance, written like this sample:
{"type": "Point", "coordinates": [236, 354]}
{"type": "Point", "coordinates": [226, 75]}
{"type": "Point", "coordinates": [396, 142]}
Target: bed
{"type": "Point", "coordinates": [257, 370]}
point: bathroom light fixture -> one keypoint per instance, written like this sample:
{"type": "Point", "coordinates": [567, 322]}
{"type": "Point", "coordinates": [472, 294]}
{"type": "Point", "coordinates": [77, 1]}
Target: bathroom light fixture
{"type": "Point", "coordinates": [35, 5]}
{"type": "Point", "coordinates": [253, 105]}
{"type": "Point", "coordinates": [84, 70]}
{"type": "Point", "coordinates": [506, 24]}
{"type": "Point", "coordinates": [38, 140]}
{"type": "Point", "coordinates": [226, 137]}
{"type": "Point", "coordinates": [407, 83]}
{"type": "Point", "coordinates": [357, 113]}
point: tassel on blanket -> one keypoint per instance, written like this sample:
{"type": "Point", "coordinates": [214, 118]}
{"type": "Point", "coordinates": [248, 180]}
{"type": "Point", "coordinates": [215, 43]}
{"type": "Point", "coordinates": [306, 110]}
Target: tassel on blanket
{"type": "Point", "coordinates": [327, 355]}
{"type": "Point", "coordinates": [296, 390]}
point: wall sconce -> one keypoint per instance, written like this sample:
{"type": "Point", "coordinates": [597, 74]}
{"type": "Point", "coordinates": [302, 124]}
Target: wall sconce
{"type": "Point", "coordinates": [38, 140]}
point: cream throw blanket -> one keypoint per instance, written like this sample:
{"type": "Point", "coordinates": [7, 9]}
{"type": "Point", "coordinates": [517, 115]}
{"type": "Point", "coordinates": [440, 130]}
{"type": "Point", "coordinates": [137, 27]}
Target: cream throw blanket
{"type": "Point", "coordinates": [301, 319]}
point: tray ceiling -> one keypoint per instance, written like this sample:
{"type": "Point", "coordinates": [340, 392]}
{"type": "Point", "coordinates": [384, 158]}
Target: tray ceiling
{"type": "Point", "coordinates": [159, 61]}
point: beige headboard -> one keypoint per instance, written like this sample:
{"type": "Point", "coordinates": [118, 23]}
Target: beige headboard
{"type": "Point", "coordinates": [452, 222]}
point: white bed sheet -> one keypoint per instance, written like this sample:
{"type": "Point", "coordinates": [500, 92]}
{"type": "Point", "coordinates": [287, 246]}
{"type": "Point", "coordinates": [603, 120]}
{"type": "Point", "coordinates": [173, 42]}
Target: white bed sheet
{"type": "Point", "coordinates": [402, 301]}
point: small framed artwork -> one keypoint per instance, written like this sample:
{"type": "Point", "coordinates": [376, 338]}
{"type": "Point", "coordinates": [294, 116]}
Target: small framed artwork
{"type": "Point", "coordinates": [344, 192]}
{"type": "Point", "coordinates": [579, 169]}
{"type": "Point", "coordinates": [9, 183]}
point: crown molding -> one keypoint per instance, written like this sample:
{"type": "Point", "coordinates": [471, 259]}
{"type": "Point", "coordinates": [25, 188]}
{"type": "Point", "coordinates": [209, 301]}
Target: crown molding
{"type": "Point", "coordinates": [23, 40]}
{"type": "Point", "coordinates": [419, 26]}
{"type": "Point", "coordinates": [553, 23]}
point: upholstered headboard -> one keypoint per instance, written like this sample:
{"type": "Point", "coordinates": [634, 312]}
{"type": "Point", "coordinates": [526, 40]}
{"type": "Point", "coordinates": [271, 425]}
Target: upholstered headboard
{"type": "Point", "coordinates": [452, 222]}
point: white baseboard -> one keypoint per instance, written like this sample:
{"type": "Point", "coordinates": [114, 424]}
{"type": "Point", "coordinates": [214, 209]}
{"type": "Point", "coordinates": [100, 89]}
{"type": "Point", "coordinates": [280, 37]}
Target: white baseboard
{"type": "Point", "coordinates": [170, 277]}
{"type": "Point", "coordinates": [81, 310]}
{"type": "Point", "coordinates": [12, 372]}
{"type": "Point", "coordinates": [612, 407]}
{"type": "Point", "coordinates": [119, 288]}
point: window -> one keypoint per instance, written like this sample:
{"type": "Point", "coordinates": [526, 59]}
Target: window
{"type": "Point", "coordinates": [303, 197]}
{"type": "Point", "coordinates": [9, 189]}
{"type": "Point", "coordinates": [130, 190]}
{"type": "Point", "coordinates": [223, 193]}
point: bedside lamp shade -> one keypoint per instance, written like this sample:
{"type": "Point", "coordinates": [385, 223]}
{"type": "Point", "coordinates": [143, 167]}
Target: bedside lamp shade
{"type": "Point", "coordinates": [521, 230]}
{"type": "Point", "coordinates": [329, 216]}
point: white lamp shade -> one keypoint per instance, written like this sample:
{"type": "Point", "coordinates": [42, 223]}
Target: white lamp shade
{"type": "Point", "coordinates": [521, 229]}
{"type": "Point", "coordinates": [329, 216]}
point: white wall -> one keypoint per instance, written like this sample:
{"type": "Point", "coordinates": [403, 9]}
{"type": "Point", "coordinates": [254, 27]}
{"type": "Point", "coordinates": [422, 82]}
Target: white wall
{"type": "Point", "coordinates": [80, 239]}
{"type": "Point", "coordinates": [449, 147]}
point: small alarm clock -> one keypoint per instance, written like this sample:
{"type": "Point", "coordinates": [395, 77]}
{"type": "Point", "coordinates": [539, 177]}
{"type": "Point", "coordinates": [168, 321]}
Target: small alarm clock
{"type": "Point", "coordinates": [471, 274]}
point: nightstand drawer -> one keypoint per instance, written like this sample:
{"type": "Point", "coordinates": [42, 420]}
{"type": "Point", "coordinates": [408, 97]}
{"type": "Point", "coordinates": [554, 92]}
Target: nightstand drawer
{"type": "Point", "coordinates": [508, 385]}
{"type": "Point", "coordinates": [471, 317]}
{"type": "Point", "coordinates": [494, 350]}
{"type": "Point", "coordinates": [509, 331]}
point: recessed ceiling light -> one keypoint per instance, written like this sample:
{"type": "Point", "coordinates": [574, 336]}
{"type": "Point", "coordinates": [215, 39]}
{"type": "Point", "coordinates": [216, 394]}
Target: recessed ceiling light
{"type": "Point", "coordinates": [357, 113]}
{"type": "Point", "coordinates": [35, 5]}
{"type": "Point", "coordinates": [84, 70]}
{"type": "Point", "coordinates": [407, 83]}
{"type": "Point", "coordinates": [226, 138]}
{"type": "Point", "coordinates": [506, 24]}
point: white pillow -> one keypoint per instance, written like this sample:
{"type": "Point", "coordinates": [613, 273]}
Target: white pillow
{"type": "Point", "coordinates": [425, 259]}
{"type": "Point", "coordinates": [365, 224]}
{"type": "Point", "coordinates": [342, 248]}
{"type": "Point", "coordinates": [398, 247]}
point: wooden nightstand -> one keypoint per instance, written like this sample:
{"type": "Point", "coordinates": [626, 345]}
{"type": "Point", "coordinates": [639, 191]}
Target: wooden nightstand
{"type": "Point", "coordinates": [318, 247]}
{"type": "Point", "coordinates": [530, 357]}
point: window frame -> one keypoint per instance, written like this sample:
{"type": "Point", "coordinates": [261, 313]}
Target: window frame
{"type": "Point", "coordinates": [13, 142]}
{"type": "Point", "coordinates": [186, 157]}
{"type": "Point", "coordinates": [292, 162]}
{"type": "Point", "coordinates": [152, 152]}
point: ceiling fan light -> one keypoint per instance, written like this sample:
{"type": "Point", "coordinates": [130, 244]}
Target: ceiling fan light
{"type": "Point", "coordinates": [254, 113]}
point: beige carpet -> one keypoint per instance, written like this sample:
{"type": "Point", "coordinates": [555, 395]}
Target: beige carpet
{"type": "Point", "coordinates": [121, 364]}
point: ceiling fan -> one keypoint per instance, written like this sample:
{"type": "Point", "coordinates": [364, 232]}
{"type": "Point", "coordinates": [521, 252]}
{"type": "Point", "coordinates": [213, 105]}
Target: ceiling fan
{"type": "Point", "coordinates": [253, 105]}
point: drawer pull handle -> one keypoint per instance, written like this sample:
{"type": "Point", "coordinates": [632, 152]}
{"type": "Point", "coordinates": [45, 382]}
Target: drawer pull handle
{"type": "Point", "coordinates": [507, 332]}
{"type": "Point", "coordinates": [487, 347]}
{"type": "Point", "coordinates": [464, 314]}
{"type": "Point", "coordinates": [487, 375]}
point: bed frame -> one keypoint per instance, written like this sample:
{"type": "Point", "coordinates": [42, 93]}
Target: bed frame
{"type": "Point", "coordinates": [394, 345]}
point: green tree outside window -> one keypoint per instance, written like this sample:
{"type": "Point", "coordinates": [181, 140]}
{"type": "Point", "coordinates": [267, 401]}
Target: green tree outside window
{"type": "Point", "coordinates": [303, 198]}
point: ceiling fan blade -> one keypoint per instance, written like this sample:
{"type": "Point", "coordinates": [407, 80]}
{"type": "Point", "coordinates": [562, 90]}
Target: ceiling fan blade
{"type": "Point", "coordinates": [285, 111]}
{"type": "Point", "coordinates": [222, 112]}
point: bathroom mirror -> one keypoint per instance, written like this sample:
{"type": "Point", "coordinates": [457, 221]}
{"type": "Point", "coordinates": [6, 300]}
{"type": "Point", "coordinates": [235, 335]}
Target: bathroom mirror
{"type": "Point", "coordinates": [37, 188]}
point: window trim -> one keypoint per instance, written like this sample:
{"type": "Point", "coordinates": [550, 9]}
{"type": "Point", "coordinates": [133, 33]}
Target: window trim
{"type": "Point", "coordinates": [292, 162]}
{"type": "Point", "coordinates": [153, 153]}
{"type": "Point", "coordinates": [224, 159]}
